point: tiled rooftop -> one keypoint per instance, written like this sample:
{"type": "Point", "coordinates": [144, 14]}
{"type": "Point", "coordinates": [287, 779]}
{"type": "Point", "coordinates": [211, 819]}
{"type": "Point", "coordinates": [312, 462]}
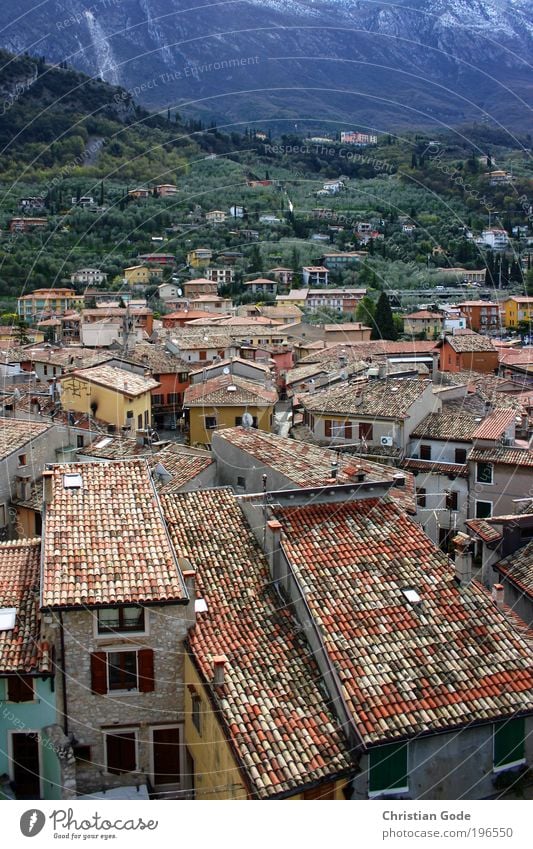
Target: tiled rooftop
{"type": "Point", "coordinates": [464, 343]}
{"type": "Point", "coordinates": [484, 530]}
{"type": "Point", "coordinates": [106, 542]}
{"type": "Point", "coordinates": [505, 456]}
{"type": "Point", "coordinates": [406, 668]}
{"type": "Point", "coordinates": [390, 399]}
{"type": "Point", "coordinates": [216, 392]}
{"type": "Point", "coordinates": [21, 649]}
{"type": "Point", "coordinates": [495, 425]}
{"type": "Point", "coordinates": [276, 717]}
{"type": "Point", "coordinates": [15, 433]}
{"type": "Point", "coordinates": [446, 426]}
{"type": "Point", "coordinates": [436, 468]}
{"type": "Point", "coordinates": [157, 359]}
{"type": "Point", "coordinates": [518, 568]}
{"type": "Point", "coordinates": [307, 465]}
{"type": "Point", "coordinates": [117, 379]}
{"type": "Point", "coordinates": [373, 348]}
{"type": "Point", "coordinates": [107, 447]}
{"type": "Point", "coordinates": [182, 467]}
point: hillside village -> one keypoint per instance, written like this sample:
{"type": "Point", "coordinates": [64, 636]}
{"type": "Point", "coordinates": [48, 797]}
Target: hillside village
{"type": "Point", "coordinates": [188, 504]}
{"type": "Point", "coordinates": [266, 502]}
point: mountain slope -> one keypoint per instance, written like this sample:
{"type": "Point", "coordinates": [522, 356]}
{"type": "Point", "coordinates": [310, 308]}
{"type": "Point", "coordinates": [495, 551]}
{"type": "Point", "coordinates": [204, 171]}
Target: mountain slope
{"type": "Point", "coordinates": [412, 62]}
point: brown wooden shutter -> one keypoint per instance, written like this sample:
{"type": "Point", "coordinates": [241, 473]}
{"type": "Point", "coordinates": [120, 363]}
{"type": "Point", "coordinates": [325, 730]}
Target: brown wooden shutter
{"type": "Point", "coordinates": [327, 427]}
{"type": "Point", "coordinates": [146, 670]}
{"type": "Point", "coordinates": [99, 672]}
{"type": "Point", "coordinates": [347, 430]}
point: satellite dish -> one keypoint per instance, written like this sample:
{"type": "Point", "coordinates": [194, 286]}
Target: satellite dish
{"type": "Point", "coordinates": [247, 420]}
{"type": "Point", "coordinates": [225, 370]}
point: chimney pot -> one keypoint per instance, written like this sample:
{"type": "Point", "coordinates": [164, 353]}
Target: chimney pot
{"type": "Point", "coordinates": [47, 486]}
{"type": "Point", "coordinates": [497, 595]}
{"type": "Point", "coordinates": [399, 480]}
{"type": "Point", "coordinates": [463, 558]}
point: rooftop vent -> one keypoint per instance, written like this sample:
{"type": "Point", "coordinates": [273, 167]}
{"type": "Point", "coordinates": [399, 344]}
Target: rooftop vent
{"type": "Point", "coordinates": [200, 605]}
{"type": "Point", "coordinates": [231, 388]}
{"type": "Point", "coordinates": [72, 481]}
{"type": "Point", "coordinates": [412, 596]}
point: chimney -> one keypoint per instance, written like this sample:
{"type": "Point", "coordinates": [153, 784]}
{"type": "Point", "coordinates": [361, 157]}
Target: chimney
{"type": "Point", "coordinates": [463, 558]}
{"type": "Point", "coordinates": [382, 370]}
{"type": "Point", "coordinates": [47, 486]}
{"type": "Point", "coordinates": [399, 480]}
{"type": "Point", "coordinates": [219, 664]}
{"type": "Point", "coordinates": [274, 548]}
{"type": "Point", "coordinates": [497, 595]}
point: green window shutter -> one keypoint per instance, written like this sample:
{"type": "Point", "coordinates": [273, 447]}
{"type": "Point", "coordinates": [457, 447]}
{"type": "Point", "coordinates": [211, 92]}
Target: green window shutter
{"type": "Point", "coordinates": [388, 767]}
{"type": "Point", "coordinates": [509, 742]}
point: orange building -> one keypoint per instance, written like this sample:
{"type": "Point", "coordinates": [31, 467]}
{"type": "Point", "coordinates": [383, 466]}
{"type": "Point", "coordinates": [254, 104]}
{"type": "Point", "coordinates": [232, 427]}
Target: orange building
{"type": "Point", "coordinates": [482, 315]}
{"type": "Point", "coordinates": [467, 351]}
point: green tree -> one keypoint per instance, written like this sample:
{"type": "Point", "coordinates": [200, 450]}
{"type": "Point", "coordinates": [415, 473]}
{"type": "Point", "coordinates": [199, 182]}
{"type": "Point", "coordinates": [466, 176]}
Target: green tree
{"type": "Point", "coordinates": [384, 326]}
{"type": "Point", "coordinates": [365, 311]}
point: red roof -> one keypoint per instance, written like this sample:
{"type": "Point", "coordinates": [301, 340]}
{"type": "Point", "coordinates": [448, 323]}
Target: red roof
{"type": "Point", "coordinates": [495, 424]}
{"type": "Point", "coordinates": [21, 648]}
{"type": "Point", "coordinates": [406, 667]}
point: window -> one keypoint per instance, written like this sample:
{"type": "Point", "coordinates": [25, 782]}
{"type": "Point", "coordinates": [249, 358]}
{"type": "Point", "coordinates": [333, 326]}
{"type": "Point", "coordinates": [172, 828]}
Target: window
{"type": "Point", "coordinates": [157, 400]}
{"type": "Point", "coordinates": [483, 509]}
{"type": "Point", "coordinates": [451, 500]}
{"type": "Point", "coordinates": [122, 671]}
{"type": "Point", "coordinates": [425, 452]}
{"type": "Point", "coordinates": [241, 482]}
{"type": "Point", "coordinates": [79, 440]}
{"type": "Point", "coordinates": [327, 427]}
{"type": "Point", "coordinates": [388, 769]}
{"type": "Point", "coordinates": [460, 455]}
{"type": "Point", "coordinates": [22, 460]}
{"type": "Point", "coordinates": [121, 751]}
{"type": "Point", "coordinates": [366, 431]}
{"type": "Point", "coordinates": [421, 497]}
{"type": "Point", "coordinates": [174, 398]}
{"type": "Point", "coordinates": [197, 712]}
{"type": "Point", "coordinates": [202, 355]}
{"type": "Point", "coordinates": [509, 743]}
{"type": "Point", "coordinates": [183, 377]}
{"type": "Point", "coordinates": [210, 422]}
{"type": "Point", "coordinates": [20, 689]}
{"type": "Point", "coordinates": [120, 619]}
{"type": "Point", "coordinates": [484, 473]}
{"type": "Point", "coordinates": [139, 421]}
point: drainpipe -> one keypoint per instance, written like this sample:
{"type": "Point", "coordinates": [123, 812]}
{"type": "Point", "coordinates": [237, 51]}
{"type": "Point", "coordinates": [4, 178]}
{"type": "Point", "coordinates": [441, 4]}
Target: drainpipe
{"type": "Point", "coordinates": [63, 673]}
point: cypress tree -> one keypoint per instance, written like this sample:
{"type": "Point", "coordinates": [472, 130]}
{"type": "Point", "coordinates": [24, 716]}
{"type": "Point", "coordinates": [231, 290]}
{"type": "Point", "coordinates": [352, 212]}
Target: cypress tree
{"type": "Point", "coordinates": [384, 322]}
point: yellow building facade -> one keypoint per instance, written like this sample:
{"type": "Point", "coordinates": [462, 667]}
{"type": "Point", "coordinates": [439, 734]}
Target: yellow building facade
{"type": "Point", "coordinates": [138, 275]}
{"type": "Point", "coordinates": [110, 395]}
{"type": "Point", "coordinates": [215, 773]}
{"type": "Point", "coordinates": [517, 309]}
{"type": "Point", "coordinates": [206, 419]}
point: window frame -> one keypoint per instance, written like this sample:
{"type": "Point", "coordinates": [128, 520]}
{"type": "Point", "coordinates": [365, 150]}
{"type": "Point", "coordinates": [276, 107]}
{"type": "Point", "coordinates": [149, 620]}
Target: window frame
{"type": "Point", "coordinates": [105, 634]}
{"type": "Point", "coordinates": [421, 497]}
{"type": "Point", "coordinates": [196, 712]}
{"type": "Point", "coordinates": [210, 426]}
{"type": "Point", "coordinates": [452, 500]}
{"type": "Point", "coordinates": [117, 690]}
{"type": "Point", "coordinates": [491, 467]}
{"type": "Point", "coordinates": [425, 449]}
{"type": "Point", "coordinates": [403, 788]}
{"type": "Point", "coordinates": [501, 767]}
{"type": "Point", "coordinates": [23, 682]}
{"type": "Point", "coordinates": [117, 732]}
{"type": "Point", "coordinates": [482, 501]}
{"type": "Point", "coordinates": [463, 451]}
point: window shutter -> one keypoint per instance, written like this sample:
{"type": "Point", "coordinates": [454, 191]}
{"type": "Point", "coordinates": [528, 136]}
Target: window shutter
{"type": "Point", "coordinates": [347, 430]}
{"type": "Point", "coordinates": [327, 427]}
{"type": "Point", "coordinates": [509, 739]}
{"type": "Point", "coordinates": [146, 670]}
{"type": "Point", "coordinates": [388, 767]}
{"type": "Point", "coordinates": [99, 672]}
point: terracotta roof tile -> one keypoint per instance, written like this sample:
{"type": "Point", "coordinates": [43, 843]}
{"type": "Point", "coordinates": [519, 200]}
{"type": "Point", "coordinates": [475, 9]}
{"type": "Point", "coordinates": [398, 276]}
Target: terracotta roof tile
{"type": "Point", "coordinates": [495, 424]}
{"type": "Point", "coordinates": [216, 391]}
{"type": "Point", "coordinates": [482, 529]}
{"type": "Point", "coordinates": [277, 719]}
{"type": "Point", "coordinates": [408, 668]}
{"type": "Point", "coordinates": [117, 379]}
{"type": "Point", "coordinates": [447, 426]}
{"type": "Point", "coordinates": [105, 542]}
{"type": "Point", "coordinates": [518, 568]}
{"type": "Point", "coordinates": [307, 465]}
{"type": "Point", "coordinates": [21, 648]}
{"type": "Point", "coordinates": [469, 343]}
{"type": "Point", "coordinates": [15, 433]}
{"type": "Point", "coordinates": [505, 456]}
{"type": "Point", "coordinates": [436, 468]}
{"type": "Point", "coordinates": [389, 399]}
